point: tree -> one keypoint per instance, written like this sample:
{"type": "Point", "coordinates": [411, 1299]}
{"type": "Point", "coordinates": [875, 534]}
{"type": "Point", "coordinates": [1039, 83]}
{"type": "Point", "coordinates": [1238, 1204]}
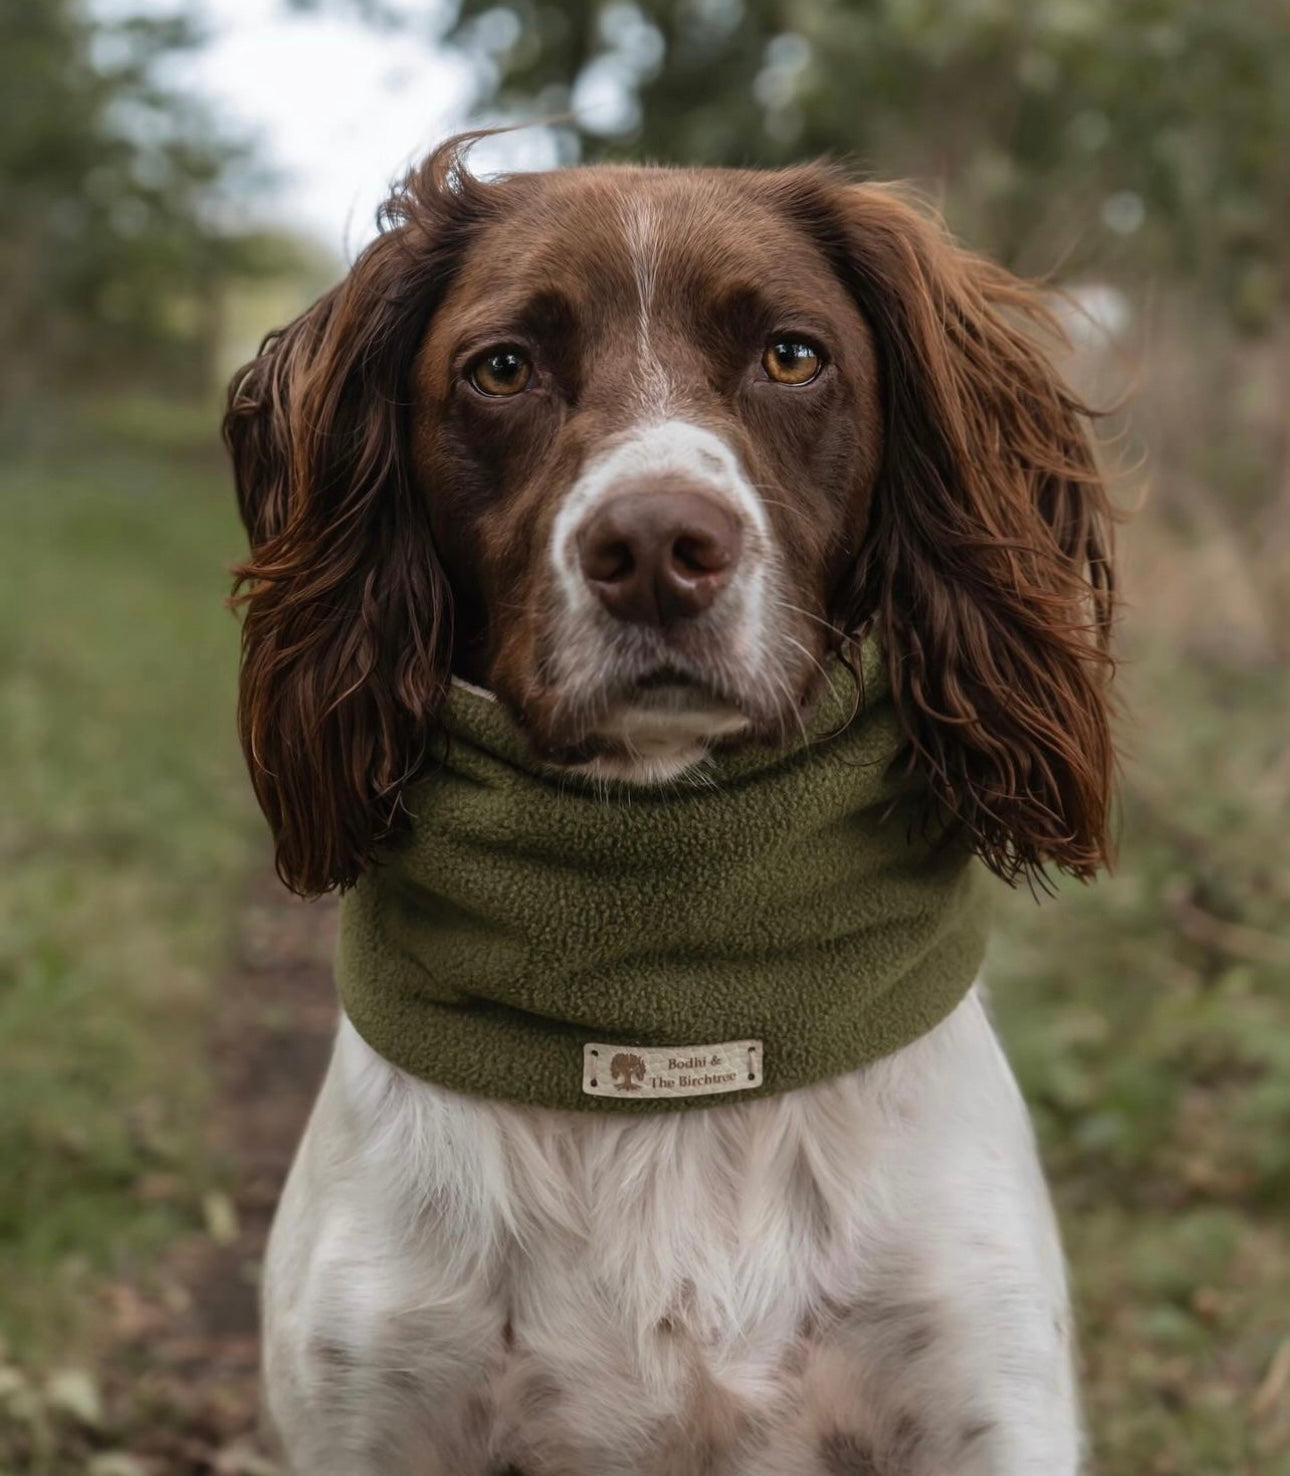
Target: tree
{"type": "Point", "coordinates": [111, 251]}
{"type": "Point", "coordinates": [1144, 136]}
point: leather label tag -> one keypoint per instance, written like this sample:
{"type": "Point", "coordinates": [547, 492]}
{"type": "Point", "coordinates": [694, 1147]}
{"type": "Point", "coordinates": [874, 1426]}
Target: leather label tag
{"type": "Point", "coordinates": [671, 1071]}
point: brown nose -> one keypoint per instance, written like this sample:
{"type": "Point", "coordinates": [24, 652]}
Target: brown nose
{"type": "Point", "coordinates": [659, 555]}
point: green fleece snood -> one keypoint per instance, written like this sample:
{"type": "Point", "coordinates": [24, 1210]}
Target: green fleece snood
{"type": "Point", "coordinates": [541, 938]}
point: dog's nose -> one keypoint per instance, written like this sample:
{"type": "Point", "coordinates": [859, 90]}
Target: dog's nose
{"type": "Point", "coordinates": [659, 555]}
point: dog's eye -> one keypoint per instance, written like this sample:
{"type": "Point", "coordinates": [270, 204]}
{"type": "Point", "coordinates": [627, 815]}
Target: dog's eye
{"type": "Point", "coordinates": [503, 372]}
{"type": "Point", "coordinates": [791, 361]}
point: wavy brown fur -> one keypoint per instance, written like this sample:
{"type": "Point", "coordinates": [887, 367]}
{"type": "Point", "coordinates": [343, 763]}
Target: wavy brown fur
{"type": "Point", "coordinates": [987, 561]}
{"type": "Point", "coordinates": [347, 633]}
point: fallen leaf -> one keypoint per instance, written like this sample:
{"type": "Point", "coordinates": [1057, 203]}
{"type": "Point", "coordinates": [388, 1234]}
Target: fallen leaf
{"type": "Point", "coordinates": [221, 1217]}
{"type": "Point", "coordinates": [73, 1392]}
{"type": "Point", "coordinates": [12, 1382]}
{"type": "Point", "coordinates": [241, 1460]}
{"type": "Point", "coordinates": [116, 1463]}
{"type": "Point", "coordinates": [1275, 1382]}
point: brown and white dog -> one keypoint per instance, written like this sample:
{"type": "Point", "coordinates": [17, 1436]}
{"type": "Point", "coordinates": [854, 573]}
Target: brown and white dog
{"type": "Point", "coordinates": [634, 448]}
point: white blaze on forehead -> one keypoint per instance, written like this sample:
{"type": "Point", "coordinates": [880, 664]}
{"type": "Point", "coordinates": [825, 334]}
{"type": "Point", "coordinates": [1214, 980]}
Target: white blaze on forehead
{"type": "Point", "coordinates": [642, 236]}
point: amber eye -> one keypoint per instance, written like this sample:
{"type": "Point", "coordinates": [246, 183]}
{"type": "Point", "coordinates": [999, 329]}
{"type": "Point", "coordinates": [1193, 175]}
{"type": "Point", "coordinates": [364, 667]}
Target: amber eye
{"type": "Point", "coordinates": [790, 361]}
{"type": "Point", "coordinates": [503, 372]}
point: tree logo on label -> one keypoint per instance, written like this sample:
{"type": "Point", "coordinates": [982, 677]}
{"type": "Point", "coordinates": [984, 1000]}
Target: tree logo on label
{"type": "Point", "coordinates": [628, 1071]}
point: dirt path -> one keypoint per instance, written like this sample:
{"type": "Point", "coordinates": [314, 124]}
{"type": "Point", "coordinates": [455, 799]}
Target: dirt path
{"type": "Point", "coordinates": [180, 1373]}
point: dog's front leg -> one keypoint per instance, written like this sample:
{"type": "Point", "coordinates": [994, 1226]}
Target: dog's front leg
{"type": "Point", "coordinates": [995, 1369]}
{"type": "Point", "coordinates": [950, 1349]}
{"type": "Point", "coordinates": [1004, 1395]}
{"type": "Point", "coordinates": [963, 1367]}
{"type": "Point", "coordinates": [1009, 1359]}
{"type": "Point", "coordinates": [377, 1333]}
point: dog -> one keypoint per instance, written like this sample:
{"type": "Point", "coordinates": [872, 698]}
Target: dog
{"type": "Point", "coordinates": [635, 449]}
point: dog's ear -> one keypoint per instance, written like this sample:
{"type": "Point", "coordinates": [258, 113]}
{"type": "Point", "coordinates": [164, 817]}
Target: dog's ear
{"type": "Point", "coordinates": [986, 558]}
{"type": "Point", "coordinates": [346, 639]}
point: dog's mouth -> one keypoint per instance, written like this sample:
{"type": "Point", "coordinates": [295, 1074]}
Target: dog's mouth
{"type": "Point", "coordinates": [658, 723]}
{"type": "Point", "coordinates": [665, 676]}
{"type": "Point", "coordinates": [647, 710]}
{"type": "Point", "coordinates": [669, 688]}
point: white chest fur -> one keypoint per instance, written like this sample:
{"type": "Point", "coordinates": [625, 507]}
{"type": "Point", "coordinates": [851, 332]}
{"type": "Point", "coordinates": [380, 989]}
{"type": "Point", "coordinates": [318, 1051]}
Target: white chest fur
{"type": "Point", "coordinates": [863, 1277]}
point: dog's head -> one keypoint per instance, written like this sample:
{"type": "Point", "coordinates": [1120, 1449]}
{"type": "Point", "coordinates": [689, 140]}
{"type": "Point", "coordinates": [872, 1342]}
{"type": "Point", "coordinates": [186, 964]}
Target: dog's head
{"type": "Point", "coordinates": [635, 448]}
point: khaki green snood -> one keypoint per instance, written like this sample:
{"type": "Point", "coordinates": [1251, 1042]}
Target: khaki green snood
{"type": "Point", "coordinates": [777, 919]}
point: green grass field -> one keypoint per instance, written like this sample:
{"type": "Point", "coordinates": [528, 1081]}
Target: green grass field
{"type": "Point", "coordinates": [1148, 1016]}
{"type": "Point", "coordinates": [125, 831]}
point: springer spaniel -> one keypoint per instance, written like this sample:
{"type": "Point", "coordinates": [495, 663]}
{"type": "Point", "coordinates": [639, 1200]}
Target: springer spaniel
{"type": "Point", "coordinates": [440, 466]}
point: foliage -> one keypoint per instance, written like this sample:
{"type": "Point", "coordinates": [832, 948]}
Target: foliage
{"type": "Point", "coordinates": [1162, 122]}
{"type": "Point", "coordinates": [112, 255]}
{"type": "Point", "coordinates": [1147, 1020]}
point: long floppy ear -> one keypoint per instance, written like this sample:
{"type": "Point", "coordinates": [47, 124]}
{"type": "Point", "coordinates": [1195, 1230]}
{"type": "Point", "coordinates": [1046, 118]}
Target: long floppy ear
{"type": "Point", "coordinates": [986, 561]}
{"type": "Point", "coordinates": [346, 640]}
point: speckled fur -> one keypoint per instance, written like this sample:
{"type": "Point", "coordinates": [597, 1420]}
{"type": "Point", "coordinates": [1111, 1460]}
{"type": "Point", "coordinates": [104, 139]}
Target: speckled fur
{"type": "Point", "coordinates": [862, 1277]}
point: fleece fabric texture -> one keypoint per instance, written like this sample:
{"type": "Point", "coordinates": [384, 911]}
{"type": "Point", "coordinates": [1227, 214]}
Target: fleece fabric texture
{"type": "Point", "coordinates": [781, 895]}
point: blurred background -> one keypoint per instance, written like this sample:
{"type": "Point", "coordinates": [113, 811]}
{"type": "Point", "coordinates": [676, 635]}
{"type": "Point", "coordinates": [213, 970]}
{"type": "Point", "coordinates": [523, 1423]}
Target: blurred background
{"type": "Point", "coordinates": [177, 178]}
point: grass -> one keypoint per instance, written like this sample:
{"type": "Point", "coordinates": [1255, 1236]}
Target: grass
{"type": "Point", "coordinates": [1148, 1016]}
{"type": "Point", "coordinates": [125, 828]}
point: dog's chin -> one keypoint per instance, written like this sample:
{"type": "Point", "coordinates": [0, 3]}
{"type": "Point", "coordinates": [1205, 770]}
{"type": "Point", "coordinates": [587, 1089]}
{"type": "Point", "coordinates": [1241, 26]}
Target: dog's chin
{"type": "Point", "coordinates": [658, 732]}
{"type": "Point", "coordinates": [656, 725]}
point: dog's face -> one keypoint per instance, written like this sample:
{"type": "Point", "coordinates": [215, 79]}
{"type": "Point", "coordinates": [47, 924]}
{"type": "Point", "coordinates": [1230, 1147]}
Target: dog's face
{"type": "Point", "coordinates": [646, 422]}
{"type": "Point", "coordinates": [635, 448]}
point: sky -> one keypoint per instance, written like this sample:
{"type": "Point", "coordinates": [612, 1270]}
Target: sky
{"type": "Point", "coordinates": [338, 108]}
